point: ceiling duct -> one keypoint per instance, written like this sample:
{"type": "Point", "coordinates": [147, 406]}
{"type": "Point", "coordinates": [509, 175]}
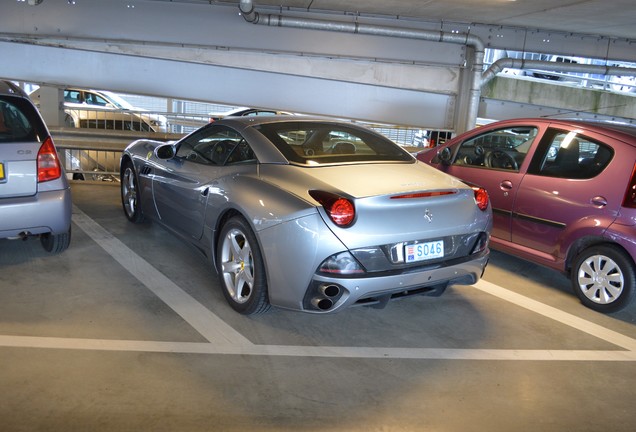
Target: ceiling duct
{"type": "Point", "coordinates": [246, 8]}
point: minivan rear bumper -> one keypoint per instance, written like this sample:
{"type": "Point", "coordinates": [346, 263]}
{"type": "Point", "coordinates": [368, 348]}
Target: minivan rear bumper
{"type": "Point", "coordinates": [44, 212]}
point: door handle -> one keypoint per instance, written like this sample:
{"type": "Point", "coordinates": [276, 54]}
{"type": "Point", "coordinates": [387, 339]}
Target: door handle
{"type": "Point", "coordinates": [205, 191]}
{"type": "Point", "coordinates": [599, 201]}
{"type": "Point", "coordinates": [505, 185]}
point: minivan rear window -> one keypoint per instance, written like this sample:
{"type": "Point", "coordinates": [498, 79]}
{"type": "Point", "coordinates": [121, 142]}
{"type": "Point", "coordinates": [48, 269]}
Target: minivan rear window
{"type": "Point", "coordinates": [15, 125]}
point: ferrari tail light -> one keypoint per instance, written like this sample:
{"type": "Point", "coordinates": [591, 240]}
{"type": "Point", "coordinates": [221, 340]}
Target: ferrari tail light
{"type": "Point", "coordinates": [49, 167]}
{"type": "Point", "coordinates": [340, 210]}
{"type": "Point", "coordinates": [630, 194]}
{"type": "Point", "coordinates": [481, 197]}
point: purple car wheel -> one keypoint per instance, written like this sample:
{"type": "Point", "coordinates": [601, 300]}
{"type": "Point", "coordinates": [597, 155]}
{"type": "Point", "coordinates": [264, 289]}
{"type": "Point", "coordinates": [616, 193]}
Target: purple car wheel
{"type": "Point", "coordinates": [603, 277]}
{"type": "Point", "coordinates": [241, 268]}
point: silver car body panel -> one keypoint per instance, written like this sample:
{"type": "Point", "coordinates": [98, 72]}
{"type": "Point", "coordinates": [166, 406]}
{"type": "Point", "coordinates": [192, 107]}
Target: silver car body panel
{"type": "Point", "coordinates": [382, 219]}
{"type": "Point", "coordinates": [20, 169]}
{"type": "Point", "coordinates": [46, 212]}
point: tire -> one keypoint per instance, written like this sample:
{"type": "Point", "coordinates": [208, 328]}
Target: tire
{"type": "Point", "coordinates": [130, 194]}
{"type": "Point", "coordinates": [604, 278]}
{"type": "Point", "coordinates": [241, 268]}
{"type": "Point", "coordinates": [68, 121]}
{"type": "Point", "coordinates": [56, 243]}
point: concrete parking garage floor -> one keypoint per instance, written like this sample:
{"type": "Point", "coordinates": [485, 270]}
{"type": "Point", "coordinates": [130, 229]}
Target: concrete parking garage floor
{"type": "Point", "coordinates": [128, 331]}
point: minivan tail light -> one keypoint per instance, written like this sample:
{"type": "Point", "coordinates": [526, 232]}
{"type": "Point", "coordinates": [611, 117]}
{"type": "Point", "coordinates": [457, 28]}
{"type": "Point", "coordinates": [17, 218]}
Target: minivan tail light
{"type": "Point", "coordinates": [340, 210]}
{"type": "Point", "coordinates": [630, 194]}
{"type": "Point", "coordinates": [49, 167]}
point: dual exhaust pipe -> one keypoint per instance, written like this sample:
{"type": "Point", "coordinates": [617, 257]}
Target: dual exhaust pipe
{"type": "Point", "coordinates": [327, 295]}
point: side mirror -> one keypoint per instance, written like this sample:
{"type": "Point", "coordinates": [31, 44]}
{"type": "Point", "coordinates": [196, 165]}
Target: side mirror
{"type": "Point", "coordinates": [165, 151]}
{"type": "Point", "coordinates": [445, 155]}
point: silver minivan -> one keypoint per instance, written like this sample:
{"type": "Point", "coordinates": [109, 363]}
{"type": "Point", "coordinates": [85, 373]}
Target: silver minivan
{"type": "Point", "coordinates": [35, 197]}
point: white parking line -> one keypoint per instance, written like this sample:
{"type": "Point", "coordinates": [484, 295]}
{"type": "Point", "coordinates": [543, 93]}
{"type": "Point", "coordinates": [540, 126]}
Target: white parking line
{"type": "Point", "coordinates": [580, 324]}
{"type": "Point", "coordinates": [316, 351]}
{"type": "Point", "coordinates": [224, 340]}
{"type": "Point", "coordinates": [198, 316]}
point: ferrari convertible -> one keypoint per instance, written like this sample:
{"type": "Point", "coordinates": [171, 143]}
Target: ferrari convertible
{"type": "Point", "coordinates": [309, 214]}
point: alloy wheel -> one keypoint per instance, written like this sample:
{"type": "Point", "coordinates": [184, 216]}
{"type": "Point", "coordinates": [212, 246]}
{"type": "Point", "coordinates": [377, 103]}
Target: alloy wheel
{"type": "Point", "coordinates": [237, 266]}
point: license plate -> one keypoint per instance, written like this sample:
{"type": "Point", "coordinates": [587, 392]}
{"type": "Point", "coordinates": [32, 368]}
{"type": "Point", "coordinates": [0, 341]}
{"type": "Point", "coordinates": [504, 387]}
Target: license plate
{"type": "Point", "coordinates": [424, 251]}
{"type": "Point", "coordinates": [1, 171]}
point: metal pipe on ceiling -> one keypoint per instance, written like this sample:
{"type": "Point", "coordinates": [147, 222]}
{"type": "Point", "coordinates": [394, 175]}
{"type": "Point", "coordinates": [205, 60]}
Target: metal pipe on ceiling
{"type": "Point", "coordinates": [246, 8]}
{"type": "Point", "coordinates": [503, 63]}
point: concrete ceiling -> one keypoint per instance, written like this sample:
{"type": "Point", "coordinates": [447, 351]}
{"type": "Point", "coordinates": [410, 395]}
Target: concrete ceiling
{"type": "Point", "coordinates": [610, 18]}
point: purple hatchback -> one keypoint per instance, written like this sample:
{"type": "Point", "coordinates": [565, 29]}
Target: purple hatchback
{"type": "Point", "coordinates": [563, 195]}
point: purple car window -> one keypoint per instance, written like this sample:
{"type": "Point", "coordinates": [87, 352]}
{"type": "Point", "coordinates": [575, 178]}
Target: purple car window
{"type": "Point", "coordinates": [571, 155]}
{"type": "Point", "coordinates": [504, 149]}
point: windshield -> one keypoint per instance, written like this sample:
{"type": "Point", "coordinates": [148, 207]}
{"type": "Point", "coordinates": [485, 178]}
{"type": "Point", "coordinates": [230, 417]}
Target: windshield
{"type": "Point", "coordinates": [317, 143]}
{"type": "Point", "coordinates": [118, 101]}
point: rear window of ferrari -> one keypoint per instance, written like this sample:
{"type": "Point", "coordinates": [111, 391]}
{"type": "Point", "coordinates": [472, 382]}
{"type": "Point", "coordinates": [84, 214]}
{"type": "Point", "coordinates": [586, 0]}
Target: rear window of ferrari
{"type": "Point", "coordinates": [315, 143]}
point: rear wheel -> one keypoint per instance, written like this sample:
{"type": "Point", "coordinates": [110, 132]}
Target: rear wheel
{"type": "Point", "coordinates": [130, 194]}
{"type": "Point", "coordinates": [68, 121]}
{"type": "Point", "coordinates": [241, 268]}
{"type": "Point", "coordinates": [56, 243]}
{"type": "Point", "coordinates": [604, 278]}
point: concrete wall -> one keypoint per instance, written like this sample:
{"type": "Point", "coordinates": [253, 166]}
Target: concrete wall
{"type": "Point", "coordinates": [544, 97]}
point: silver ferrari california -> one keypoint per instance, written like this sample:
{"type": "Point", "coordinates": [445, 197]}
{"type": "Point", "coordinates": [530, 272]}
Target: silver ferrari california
{"type": "Point", "coordinates": [309, 214]}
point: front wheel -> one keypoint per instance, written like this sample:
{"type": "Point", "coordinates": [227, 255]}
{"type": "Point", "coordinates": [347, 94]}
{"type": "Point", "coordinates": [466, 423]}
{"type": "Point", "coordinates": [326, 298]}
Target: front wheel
{"type": "Point", "coordinates": [604, 278]}
{"type": "Point", "coordinates": [241, 269]}
{"type": "Point", "coordinates": [130, 194]}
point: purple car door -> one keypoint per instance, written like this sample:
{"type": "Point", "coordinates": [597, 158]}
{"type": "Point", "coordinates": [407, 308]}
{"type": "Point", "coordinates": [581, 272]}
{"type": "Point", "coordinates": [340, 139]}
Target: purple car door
{"type": "Point", "coordinates": [496, 160]}
{"type": "Point", "coordinates": [557, 198]}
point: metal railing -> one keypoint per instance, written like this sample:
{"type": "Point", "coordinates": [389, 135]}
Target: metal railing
{"type": "Point", "coordinates": [95, 164]}
{"type": "Point", "coordinates": [94, 154]}
{"type": "Point", "coordinates": [132, 120]}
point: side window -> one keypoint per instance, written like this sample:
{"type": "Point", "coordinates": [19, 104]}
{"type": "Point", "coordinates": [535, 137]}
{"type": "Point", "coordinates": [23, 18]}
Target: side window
{"type": "Point", "coordinates": [216, 146]}
{"type": "Point", "coordinates": [94, 99]}
{"type": "Point", "coordinates": [503, 149]}
{"type": "Point", "coordinates": [72, 96]}
{"type": "Point", "coordinates": [570, 155]}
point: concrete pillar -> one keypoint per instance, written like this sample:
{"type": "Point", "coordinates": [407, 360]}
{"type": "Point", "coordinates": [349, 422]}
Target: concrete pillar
{"type": "Point", "coordinates": [51, 103]}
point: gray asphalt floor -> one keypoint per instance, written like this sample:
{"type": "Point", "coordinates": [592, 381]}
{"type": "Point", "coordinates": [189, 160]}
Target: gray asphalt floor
{"type": "Point", "coordinates": [128, 330]}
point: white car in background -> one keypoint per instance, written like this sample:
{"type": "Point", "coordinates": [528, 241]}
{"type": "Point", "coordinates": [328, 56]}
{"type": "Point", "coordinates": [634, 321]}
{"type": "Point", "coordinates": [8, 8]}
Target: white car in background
{"type": "Point", "coordinates": [98, 109]}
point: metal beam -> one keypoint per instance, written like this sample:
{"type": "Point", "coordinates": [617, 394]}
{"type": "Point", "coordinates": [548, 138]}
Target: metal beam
{"type": "Point", "coordinates": [228, 85]}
